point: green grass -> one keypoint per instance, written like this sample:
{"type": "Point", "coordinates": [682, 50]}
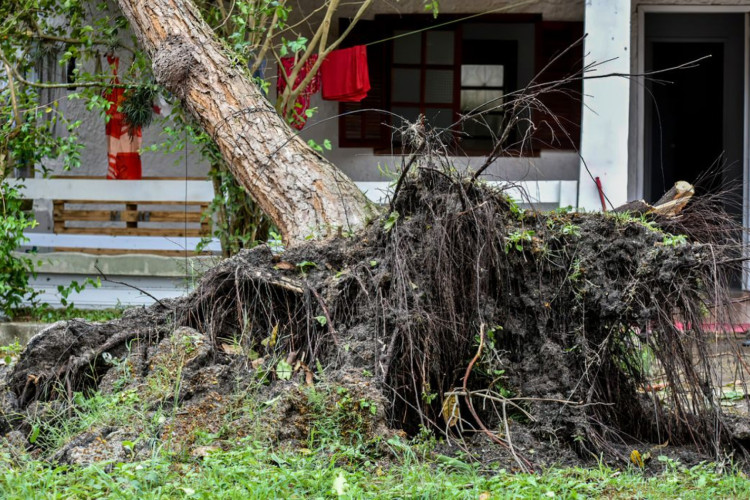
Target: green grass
{"type": "Point", "coordinates": [340, 457]}
{"type": "Point", "coordinates": [252, 470]}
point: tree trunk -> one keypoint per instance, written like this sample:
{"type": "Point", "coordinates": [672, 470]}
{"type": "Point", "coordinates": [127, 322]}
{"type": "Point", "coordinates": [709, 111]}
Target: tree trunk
{"type": "Point", "coordinates": [302, 192]}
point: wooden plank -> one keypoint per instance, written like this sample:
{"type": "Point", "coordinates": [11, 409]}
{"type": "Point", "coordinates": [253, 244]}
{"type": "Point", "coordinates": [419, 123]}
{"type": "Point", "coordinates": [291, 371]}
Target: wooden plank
{"type": "Point", "coordinates": [127, 216]}
{"type": "Point", "coordinates": [132, 207]}
{"type": "Point", "coordinates": [132, 231]}
{"type": "Point", "coordinates": [668, 205]}
{"type": "Point", "coordinates": [191, 204]}
{"type": "Point", "coordinates": [116, 242]}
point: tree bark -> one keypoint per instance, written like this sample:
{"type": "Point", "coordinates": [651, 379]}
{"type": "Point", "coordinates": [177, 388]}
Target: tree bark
{"type": "Point", "coordinates": [301, 191]}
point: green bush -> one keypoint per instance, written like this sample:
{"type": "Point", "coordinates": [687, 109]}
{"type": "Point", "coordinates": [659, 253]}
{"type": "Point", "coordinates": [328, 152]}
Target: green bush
{"type": "Point", "coordinates": [15, 270]}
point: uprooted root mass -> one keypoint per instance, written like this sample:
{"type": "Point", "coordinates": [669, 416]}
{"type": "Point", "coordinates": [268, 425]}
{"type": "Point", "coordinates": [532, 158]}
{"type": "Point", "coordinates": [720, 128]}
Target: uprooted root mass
{"type": "Point", "coordinates": [465, 313]}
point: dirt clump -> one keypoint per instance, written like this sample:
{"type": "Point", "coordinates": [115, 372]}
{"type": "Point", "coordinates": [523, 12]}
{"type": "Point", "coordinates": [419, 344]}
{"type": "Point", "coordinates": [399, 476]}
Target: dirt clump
{"type": "Point", "coordinates": [532, 333]}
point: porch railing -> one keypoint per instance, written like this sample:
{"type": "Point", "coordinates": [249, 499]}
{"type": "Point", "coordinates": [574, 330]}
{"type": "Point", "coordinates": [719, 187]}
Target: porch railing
{"type": "Point", "coordinates": [72, 190]}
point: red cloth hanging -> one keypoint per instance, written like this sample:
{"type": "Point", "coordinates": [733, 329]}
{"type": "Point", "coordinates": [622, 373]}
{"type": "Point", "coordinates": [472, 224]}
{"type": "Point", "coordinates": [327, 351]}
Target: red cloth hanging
{"type": "Point", "coordinates": [122, 146]}
{"type": "Point", "coordinates": [301, 105]}
{"type": "Point", "coordinates": [345, 75]}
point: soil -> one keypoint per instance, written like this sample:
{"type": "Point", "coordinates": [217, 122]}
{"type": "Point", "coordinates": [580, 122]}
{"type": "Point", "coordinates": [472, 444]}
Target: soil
{"type": "Point", "coordinates": [526, 339]}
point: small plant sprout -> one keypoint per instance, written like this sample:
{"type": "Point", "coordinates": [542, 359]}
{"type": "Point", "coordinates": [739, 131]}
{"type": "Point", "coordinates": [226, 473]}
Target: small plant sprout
{"type": "Point", "coordinates": [516, 240]}
{"type": "Point", "coordinates": [390, 222]}
{"type": "Point", "coordinates": [305, 266]}
{"type": "Point", "coordinates": [674, 240]}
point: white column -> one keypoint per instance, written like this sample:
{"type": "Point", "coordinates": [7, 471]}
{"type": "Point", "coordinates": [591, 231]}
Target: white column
{"type": "Point", "coordinates": [606, 103]}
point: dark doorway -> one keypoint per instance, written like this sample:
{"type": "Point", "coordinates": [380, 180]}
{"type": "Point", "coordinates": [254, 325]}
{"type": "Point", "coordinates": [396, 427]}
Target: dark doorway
{"type": "Point", "coordinates": [694, 123]}
{"type": "Point", "coordinates": [687, 128]}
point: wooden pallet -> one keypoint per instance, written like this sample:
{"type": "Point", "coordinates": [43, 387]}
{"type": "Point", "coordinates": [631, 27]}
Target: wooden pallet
{"type": "Point", "coordinates": [130, 218]}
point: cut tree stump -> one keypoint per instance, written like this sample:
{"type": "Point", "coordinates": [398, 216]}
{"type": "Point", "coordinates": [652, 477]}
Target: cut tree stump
{"type": "Point", "coordinates": [668, 205]}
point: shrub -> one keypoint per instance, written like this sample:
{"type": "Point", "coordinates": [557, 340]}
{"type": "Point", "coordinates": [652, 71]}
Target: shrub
{"type": "Point", "coordinates": [15, 270]}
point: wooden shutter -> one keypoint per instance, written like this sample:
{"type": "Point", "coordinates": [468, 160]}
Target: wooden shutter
{"type": "Point", "coordinates": [564, 103]}
{"type": "Point", "coordinates": [367, 129]}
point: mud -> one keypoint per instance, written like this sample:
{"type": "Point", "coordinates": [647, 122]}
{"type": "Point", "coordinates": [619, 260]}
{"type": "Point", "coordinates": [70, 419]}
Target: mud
{"type": "Point", "coordinates": [524, 338]}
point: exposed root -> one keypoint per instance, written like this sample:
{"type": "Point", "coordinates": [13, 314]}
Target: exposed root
{"type": "Point", "coordinates": [551, 323]}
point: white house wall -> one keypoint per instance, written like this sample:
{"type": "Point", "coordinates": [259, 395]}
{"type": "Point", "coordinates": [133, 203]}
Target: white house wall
{"type": "Point", "coordinates": [94, 160]}
{"type": "Point", "coordinates": [360, 164]}
{"type": "Point", "coordinates": [94, 156]}
{"type": "Point", "coordinates": [551, 10]}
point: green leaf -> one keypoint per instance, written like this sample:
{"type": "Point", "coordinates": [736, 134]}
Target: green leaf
{"type": "Point", "coordinates": [283, 370]}
{"type": "Point", "coordinates": [340, 485]}
{"type": "Point", "coordinates": [390, 221]}
{"type": "Point", "coordinates": [34, 434]}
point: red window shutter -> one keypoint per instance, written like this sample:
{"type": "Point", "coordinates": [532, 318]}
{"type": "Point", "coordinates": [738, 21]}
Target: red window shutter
{"type": "Point", "coordinates": [560, 128]}
{"type": "Point", "coordinates": [366, 129]}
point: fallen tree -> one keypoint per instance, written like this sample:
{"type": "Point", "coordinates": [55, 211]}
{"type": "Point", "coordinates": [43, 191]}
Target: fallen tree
{"type": "Point", "coordinates": [457, 312]}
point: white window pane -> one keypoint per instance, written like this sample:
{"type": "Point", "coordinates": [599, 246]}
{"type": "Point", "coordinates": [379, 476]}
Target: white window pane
{"type": "Point", "coordinates": [440, 47]}
{"type": "Point", "coordinates": [407, 49]}
{"type": "Point", "coordinates": [479, 100]}
{"type": "Point", "coordinates": [482, 75]}
{"type": "Point", "coordinates": [438, 86]}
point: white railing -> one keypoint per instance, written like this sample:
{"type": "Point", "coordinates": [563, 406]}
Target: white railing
{"type": "Point", "coordinates": [560, 193]}
{"type": "Point", "coordinates": [147, 190]}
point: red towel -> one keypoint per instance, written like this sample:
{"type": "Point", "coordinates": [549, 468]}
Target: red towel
{"type": "Point", "coordinates": [299, 117]}
{"type": "Point", "coordinates": [345, 75]}
{"type": "Point", "coordinates": [122, 147]}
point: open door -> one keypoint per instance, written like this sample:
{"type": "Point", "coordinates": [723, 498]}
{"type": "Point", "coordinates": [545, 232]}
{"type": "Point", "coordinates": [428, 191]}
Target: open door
{"type": "Point", "coordinates": [694, 119]}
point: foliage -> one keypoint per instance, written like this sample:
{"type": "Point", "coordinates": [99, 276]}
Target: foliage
{"type": "Point", "coordinates": [516, 240]}
{"type": "Point", "coordinates": [432, 6]}
{"type": "Point", "coordinates": [15, 270]}
{"type": "Point", "coordinates": [9, 353]}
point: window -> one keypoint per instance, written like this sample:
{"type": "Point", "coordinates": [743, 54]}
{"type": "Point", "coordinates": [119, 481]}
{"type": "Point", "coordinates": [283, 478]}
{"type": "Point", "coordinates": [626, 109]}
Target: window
{"type": "Point", "coordinates": [451, 70]}
{"type": "Point", "coordinates": [488, 72]}
{"type": "Point", "coordinates": [423, 77]}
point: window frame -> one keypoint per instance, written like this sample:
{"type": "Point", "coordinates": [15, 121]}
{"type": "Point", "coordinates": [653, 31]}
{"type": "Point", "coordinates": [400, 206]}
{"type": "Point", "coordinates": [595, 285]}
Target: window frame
{"type": "Point", "coordinates": [384, 25]}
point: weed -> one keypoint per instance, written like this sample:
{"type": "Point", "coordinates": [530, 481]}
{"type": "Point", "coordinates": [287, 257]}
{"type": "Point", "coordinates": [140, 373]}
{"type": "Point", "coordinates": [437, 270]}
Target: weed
{"type": "Point", "coordinates": [674, 240]}
{"type": "Point", "coordinates": [517, 239]}
{"type": "Point", "coordinates": [625, 218]}
{"type": "Point", "coordinates": [50, 315]}
{"type": "Point", "coordinates": [390, 221]}
{"type": "Point", "coordinates": [305, 266]}
{"type": "Point", "coordinates": [9, 353]}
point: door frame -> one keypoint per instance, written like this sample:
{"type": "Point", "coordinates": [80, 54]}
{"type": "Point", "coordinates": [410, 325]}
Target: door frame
{"type": "Point", "coordinates": [641, 11]}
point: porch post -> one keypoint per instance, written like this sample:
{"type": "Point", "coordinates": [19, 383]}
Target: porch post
{"type": "Point", "coordinates": [606, 103]}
